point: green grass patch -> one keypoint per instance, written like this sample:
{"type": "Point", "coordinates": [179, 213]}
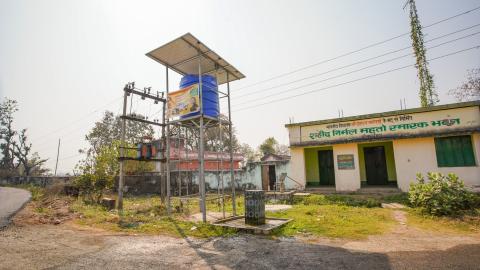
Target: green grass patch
{"type": "Point", "coordinates": [338, 199]}
{"type": "Point", "coordinates": [338, 221]}
{"type": "Point", "coordinates": [144, 215]}
{"type": "Point", "coordinates": [466, 222]}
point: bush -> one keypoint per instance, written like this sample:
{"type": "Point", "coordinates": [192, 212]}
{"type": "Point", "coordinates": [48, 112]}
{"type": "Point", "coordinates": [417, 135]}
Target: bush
{"type": "Point", "coordinates": [91, 187]}
{"type": "Point", "coordinates": [441, 195]}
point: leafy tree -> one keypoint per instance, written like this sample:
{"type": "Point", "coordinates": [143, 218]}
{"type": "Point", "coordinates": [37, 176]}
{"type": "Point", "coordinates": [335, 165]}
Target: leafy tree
{"type": "Point", "coordinates": [268, 146]}
{"type": "Point", "coordinates": [106, 135]}
{"type": "Point", "coordinates": [470, 89]}
{"type": "Point", "coordinates": [99, 174]}
{"type": "Point", "coordinates": [108, 130]}
{"type": "Point", "coordinates": [7, 134]}
{"type": "Point", "coordinates": [22, 150]}
{"type": "Point", "coordinates": [271, 146]}
{"type": "Point", "coordinates": [97, 171]}
{"type": "Point", "coordinates": [428, 96]}
{"type": "Point", "coordinates": [249, 154]}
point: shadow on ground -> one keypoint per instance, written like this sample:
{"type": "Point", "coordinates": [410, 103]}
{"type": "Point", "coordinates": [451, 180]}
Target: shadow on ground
{"type": "Point", "coordinates": [61, 247]}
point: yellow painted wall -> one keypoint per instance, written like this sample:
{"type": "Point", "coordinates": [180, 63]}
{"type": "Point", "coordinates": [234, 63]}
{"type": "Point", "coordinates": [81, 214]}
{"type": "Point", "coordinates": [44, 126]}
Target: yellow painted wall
{"type": "Point", "coordinates": [312, 171]}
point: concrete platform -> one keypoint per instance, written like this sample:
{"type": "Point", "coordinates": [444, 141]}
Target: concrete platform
{"type": "Point", "coordinates": [301, 194]}
{"type": "Point", "coordinates": [277, 207]}
{"type": "Point", "coordinates": [238, 223]}
{"type": "Point", "coordinates": [279, 196]}
{"type": "Point", "coordinates": [211, 217]}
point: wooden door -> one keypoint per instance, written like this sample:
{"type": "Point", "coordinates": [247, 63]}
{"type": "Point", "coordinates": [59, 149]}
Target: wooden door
{"type": "Point", "coordinates": [265, 177]}
{"type": "Point", "coordinates": [376, 165]}
{"type": "Point", "coordinates": [325, 165]}
{"type": "Point", "coordinates": [272, 177]}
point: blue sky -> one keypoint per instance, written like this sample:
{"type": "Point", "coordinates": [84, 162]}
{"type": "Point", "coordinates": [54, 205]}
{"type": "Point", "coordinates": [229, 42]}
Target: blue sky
{"type": "Point", "coordinates": [67, 61]}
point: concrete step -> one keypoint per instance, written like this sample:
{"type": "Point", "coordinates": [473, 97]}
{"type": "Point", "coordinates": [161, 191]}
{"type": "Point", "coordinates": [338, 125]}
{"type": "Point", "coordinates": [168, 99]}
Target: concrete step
{"type": "Point", "coordinates": [379, 190]}
{"type": "Point", "coordinates": [321, 190]}
{"type": "Point", "coordinates": [363, 190]}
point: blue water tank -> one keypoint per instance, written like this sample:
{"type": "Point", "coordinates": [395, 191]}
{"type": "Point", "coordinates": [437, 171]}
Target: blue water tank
{"type": "Point", "coordinates": [209, 94]}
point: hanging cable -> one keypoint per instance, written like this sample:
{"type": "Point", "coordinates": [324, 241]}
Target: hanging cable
{"type": "Point", "coordinates": [351, 72]}
{"type": "Point", "coordinates": [355, 63]}
{"type": "Point", "coordinates": [352, 81]}
{"type": "Point", "coordinates": [356, 51]}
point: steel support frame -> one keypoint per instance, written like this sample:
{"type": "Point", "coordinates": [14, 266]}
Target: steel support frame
{"type": "Point", "coordinates": [202, 125]}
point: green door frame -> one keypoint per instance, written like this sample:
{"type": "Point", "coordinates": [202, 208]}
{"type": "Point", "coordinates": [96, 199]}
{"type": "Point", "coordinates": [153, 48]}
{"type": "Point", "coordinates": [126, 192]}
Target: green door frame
{"type": "Point", "coordinates": [390, 160]}
{"type": "Point", "coordinates": [326, 167]}
{"type": "Point", "coordinates": [312, 170]}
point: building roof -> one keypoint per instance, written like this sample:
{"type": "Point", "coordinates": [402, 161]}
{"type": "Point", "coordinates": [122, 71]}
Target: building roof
{"type": "Point", "coordinates": [274, 157]}
{"type": "Point", "coordinates": [182, 55]}
{"type": "Point", "coordinates": [390, 113]}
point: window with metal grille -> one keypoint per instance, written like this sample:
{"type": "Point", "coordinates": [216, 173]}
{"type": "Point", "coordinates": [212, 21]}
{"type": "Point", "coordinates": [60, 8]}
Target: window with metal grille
{"type": "Point", "coordinates": [455, 151]}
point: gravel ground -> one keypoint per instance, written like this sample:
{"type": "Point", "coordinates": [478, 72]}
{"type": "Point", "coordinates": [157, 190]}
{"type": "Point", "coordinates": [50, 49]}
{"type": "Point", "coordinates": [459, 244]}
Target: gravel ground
{"type": "Point", "coordinates": [70, 247]}
{"type": "Point", "coordinates": [28, 244]}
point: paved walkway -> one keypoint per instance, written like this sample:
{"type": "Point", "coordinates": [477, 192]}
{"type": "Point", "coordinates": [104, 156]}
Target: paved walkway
{"type": "Point", "coordinates": [11, 200]}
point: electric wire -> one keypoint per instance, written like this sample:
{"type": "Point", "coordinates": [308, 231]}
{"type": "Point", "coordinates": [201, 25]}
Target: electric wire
{"type": "Point", "coordinates": [352, 81]}
{"type": "Point", "coordinates": [354, 71]}
{"type": "Point", "coordinates": [45, 144]}
{"type": "Point", "coordinates": [77, 120]}
{"type": "Point", "coordinates": [353, 64]}
{"type": "Point", "coordinates": [355, 51]}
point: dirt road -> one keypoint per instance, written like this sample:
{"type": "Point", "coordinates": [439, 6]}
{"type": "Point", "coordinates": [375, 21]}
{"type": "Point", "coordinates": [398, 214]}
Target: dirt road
{"type": "Point", "coordinates": [70, 247]}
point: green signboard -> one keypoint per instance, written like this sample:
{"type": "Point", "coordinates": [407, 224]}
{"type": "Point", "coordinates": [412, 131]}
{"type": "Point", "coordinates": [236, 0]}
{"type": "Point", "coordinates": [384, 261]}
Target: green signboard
{"type": "Point", "coordinates": [345, 162]}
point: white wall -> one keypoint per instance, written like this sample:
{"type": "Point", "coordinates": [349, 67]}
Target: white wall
{"type": "Point", "coordinates": [346, 180]}
{"type": "Point", "coordinates": [418, 155]}
{"type": "Point", "coordinates": [297, 165]}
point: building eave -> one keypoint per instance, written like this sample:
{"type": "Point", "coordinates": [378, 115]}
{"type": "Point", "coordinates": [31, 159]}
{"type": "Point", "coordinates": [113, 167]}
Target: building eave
{"type": "Point", "coordinates": [387, 114]}
{"type": "Point", "coordinates": [462, 131]}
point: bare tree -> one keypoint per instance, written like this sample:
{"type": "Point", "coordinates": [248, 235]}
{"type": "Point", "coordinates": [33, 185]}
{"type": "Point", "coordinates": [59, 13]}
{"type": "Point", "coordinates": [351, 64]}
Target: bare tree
{"type": "Point", "coordinates": [470, 89]}
{"type": "Point", "coordinates": [22, 152]}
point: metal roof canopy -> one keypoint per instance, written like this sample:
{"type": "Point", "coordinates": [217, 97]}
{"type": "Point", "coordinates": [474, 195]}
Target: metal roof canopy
{"type": "Point", "coordinates": [181, 55]}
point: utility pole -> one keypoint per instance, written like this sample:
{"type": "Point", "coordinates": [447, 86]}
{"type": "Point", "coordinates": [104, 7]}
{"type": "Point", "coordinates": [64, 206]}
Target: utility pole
{"type": "Point", "coordinates": [167, 146]}
{"type": "Point", "coordinates": [201, 146]}
{"type": "Point", "coordinates": [122, 145]}
{"type": "Point", "coordinates": [230, 139]}
{"type": "Point", "coordinates": [58, 152]}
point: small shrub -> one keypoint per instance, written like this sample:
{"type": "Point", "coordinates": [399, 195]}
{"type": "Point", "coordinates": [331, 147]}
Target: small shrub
{"type": "Point", "coordinates": [311, 200]}
{"type": "Point", "coordinates": [441, 195]}
{"type": "Point", "coordinates": [401, 198]}
{"type": "Point", "coordinates": [91, 187]}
